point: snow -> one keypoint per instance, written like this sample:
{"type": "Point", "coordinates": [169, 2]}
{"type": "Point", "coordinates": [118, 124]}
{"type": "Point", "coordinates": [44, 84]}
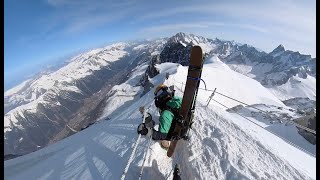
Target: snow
{"type": "Point", "coordinates": [155, 53]}
{"type": "Point", "coordinates": [277, 54]}
{"type": "Point", "coordinates": [16, 89]}
{"type": "Point", "coordinates": [296, 87]}
{"type": "Point", "coordinates": [61, 87]}
{"type": "Point", "coordinates": [10, 118]}
{"type": "Point", "coordinates": [137, 73]}
{"type": "Point", "coordinates": [252, 70]}
{"type": "Point", "coordinates": [78, 68]}
{"type": "Point", "coordinates": [201, 41]}
{"type": "Point", "coordinates": [218, 75]}
{"type": "Point", "coordinates": [223, 145]}
{"type": "Point", "coordinates": [128, 91]}
{"type": "Point", "coordinates": [140, 47]}
{"type": "Point", "coordinates": [240, 148]}
{"type": "Point", "coordinates": [206, 47]}
{"type": "Point", "coordinates": [170, 68]}
{"type": "Point", "coordinates": [284, 130]}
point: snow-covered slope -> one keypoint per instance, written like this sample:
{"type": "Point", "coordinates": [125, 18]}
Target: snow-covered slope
{"type": "Point", "coordinates": [124, 93]}
{"type": "Point", "coordinates": [223, 145]}
{"type": "Point", "coordinates": [296, 87]}
{"type": "Point", "coordinates": [78, 68]}
{"type": "Point", "coordinates": [63, 79]}
{"type": "Point", "coordinates": [39, 108]}
{"type": "Point", "coordinates": [218, 75]}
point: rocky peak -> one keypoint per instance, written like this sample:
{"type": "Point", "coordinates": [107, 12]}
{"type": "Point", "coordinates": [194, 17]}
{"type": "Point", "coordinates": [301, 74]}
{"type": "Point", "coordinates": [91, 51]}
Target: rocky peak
{"type": "Point", "coordinates": [179, 37]}
{"type": "Point", "coordinates": [186, 39]}
{"type": "Point", "coordinates": [278, 50]}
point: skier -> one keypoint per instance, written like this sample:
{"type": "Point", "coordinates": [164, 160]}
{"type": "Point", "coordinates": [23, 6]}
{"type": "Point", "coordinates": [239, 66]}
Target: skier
{"type": "Point", "coordinates": [167, 105]}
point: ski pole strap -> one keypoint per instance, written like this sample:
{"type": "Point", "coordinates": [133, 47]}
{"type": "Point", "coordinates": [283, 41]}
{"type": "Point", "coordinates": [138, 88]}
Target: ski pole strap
{"type": "Point", "coordinates": [198, 79]}
{"type": "Point", "coordinates": [193, 78]}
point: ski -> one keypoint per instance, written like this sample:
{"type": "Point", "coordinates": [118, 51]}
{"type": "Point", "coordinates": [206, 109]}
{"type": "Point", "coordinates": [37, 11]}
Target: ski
{"type": "Point", "coordinates": [189, 98]}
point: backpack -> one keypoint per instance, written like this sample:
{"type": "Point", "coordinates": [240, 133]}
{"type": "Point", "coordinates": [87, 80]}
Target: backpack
{"type": "Point", "coordinates": [177, 118]}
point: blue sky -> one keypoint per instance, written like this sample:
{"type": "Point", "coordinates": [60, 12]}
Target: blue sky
{"type": "Point", "coordinates": [37, 32]}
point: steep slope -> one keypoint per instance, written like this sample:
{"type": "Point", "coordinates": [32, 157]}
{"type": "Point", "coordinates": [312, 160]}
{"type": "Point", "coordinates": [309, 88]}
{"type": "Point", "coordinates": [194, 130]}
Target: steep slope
{"type": "Point", "coordinates": [222, 145]}
{"type": "Point", "coordinates": [218, 75]}
{"type": "Point", "coordinates": [40, 108]}
{"type": "Point", "coordinates": [52, 99]}
{"type": "Point", "coordinates": [296, 87]}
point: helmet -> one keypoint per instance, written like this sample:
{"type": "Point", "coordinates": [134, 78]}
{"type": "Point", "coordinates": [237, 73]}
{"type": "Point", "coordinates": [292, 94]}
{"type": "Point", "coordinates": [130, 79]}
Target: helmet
{"type": "Point", "coordinates": [158, 88]}
{"type": "Point", "coordinates": [162, 94]}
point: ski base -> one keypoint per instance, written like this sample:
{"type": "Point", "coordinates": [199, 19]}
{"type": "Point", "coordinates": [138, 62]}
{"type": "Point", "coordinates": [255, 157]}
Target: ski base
{"type": "Point", "coordinates": [189, 97]}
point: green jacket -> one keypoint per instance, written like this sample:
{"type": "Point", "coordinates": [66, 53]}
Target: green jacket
{"type": "Point", "coordinates": [166, 116]}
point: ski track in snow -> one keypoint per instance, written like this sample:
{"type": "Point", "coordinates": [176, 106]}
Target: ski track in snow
{"type": "Point", "coordinates": [221, 146]}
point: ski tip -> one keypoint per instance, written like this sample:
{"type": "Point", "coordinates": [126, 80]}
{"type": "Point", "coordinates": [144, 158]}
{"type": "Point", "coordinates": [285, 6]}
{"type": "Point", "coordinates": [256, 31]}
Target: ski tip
{"type": "Point", "coordinates": [196, 47]}
{"type": "Point", "coordinates": [196, 51]}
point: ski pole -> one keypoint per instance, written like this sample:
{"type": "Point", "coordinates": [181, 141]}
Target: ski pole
{"type": "Point", "coordinates": [144, 159]}
{"type": "Point", "coordinates": [133, 151]}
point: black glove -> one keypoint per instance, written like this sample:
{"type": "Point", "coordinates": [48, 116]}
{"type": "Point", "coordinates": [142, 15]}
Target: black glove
{"type": "Point", "coordinates": [143, 130]}
{"type": "Point", "coordinates": [148, 116]}
{"type": "Point", "coordinates": [149, 122]}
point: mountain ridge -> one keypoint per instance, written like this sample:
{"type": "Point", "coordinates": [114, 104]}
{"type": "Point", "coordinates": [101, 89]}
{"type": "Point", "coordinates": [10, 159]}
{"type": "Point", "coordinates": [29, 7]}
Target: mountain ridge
{"type": "Point", "coordinates": [222, 145]}
{"type": "Point", "coordinates": [67, 91]}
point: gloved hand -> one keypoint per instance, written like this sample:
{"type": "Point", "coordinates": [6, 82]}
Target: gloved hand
{"type": "Point", "coordinates": [143, 130]}
{"type": "Point", "coordinates": [148, 116]}
{"type": "Point", "coordinates": [149, 122]}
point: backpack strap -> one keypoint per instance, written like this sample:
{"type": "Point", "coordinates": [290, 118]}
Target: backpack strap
{"type": "Point", "coordinates": [174, 111]}
{"type": "Point", "coordinates": [177, 119]}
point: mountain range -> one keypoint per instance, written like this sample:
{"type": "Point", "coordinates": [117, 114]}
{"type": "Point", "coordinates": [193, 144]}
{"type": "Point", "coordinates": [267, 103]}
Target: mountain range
{"type": "Point", "coordinates": [54, 105]}
{"type": "Point", "coordinates": [227, 140]}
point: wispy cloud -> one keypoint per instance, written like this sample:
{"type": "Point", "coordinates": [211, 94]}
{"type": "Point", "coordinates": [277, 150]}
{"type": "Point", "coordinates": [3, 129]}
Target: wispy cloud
{"type": "Point", "coordinates": [169, 27]}
{"type": "Point", "coordinates": [288, 20]}
{"type": "Point", "coordinates": [259, 16]}
{"type": "Point", "coordinates": [168, 13]}
{"type": "Point", "coordinates": [81, 15]}
{"type": "Point", "coordinates": [202, 24]}
{"type": "Point", "coordinates": [283, 13]}
{"type": "Point", "coordinates": [81, 24]}
{"type": "Point", "coordinates": [63, 2]}
{"type": "Point", "coordinates": [69, 19]}
{"type": "Point", "coordinates": [251, 27]}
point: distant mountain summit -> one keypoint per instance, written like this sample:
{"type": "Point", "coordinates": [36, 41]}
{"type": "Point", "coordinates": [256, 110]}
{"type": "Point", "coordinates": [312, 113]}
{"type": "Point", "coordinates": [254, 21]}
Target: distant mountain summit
{"type": "Point", "coordinates": [278, 50]}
